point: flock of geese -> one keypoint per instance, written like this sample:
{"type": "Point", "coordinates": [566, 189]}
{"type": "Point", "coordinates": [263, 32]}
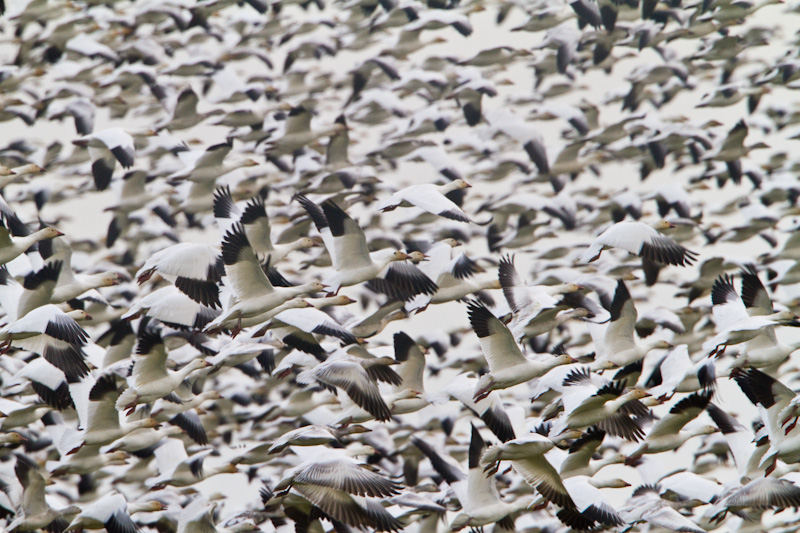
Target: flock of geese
{"type": "Point", "coordinates": [364, 270]}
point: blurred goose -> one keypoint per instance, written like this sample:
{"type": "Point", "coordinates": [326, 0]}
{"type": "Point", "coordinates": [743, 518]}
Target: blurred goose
{"type": "Point", "coordinates": [52, 333]}
{"type": "Point", "coordinates": [13, 247]}
{"type": "Point", "coordinates": [35, 512]}
{"type": "Point", "coordinates": [643, 240]}
{"type": "Point", "coordinates": [646, 505]}
{"type": "Point", "coordinates": [112, 512]}
{"type": "Point", "coordinates": [106, 148]}
{"type": "Point", "coordinates": [178, 469]}
{"type": "Point", "coordinates": [431, 198]}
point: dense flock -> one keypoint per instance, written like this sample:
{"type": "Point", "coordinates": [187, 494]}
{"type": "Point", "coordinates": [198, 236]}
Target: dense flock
{"type": "Point", "coordinates": [393, 265]}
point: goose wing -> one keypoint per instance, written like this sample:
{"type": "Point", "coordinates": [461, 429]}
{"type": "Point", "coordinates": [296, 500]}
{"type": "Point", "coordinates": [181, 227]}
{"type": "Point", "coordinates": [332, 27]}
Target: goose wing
{"type": "Point", "coordinates": [350, 249]}
{"type": "Point", "coordinates": [244, 272]}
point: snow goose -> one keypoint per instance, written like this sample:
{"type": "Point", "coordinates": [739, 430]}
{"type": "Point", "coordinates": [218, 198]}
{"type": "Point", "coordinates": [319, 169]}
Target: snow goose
{"type": "Point", "coordinates": [256, 224]}
{"type": "Point", "coordinates": [590, 399]}
{"type": "Point", "coordinates": [677, 373]}
{"type": "Point", "coordinates": [195, 269]}
{"type": "Point", "coordinates": [112, 512]}
{"type": "Point", "coordinates": [431, 198]}
{"type": "Point", "coordinates": [527, 456]}
{"type": "Point", "coordinates": [106, 148]}
{"type": "Point", "coordinates": [150, 379]}
{"type": "Point", "coordinates": [666, 434]}
{"type": "Point", "coordinates": [646, 505]}
{"type": "Point", "coordinates": [344, 489]}
{"type": "Point", "coordinates": [173, 308]}
{"type": "Point", "coordinates": [480, 501]}
{"type": "Point", "coordinates": [52, 333]}
{"type": "Point", "coordinates": [619, 345]}
{"type": "Point", "coordinates": [16, 414]}
{"type": "Point", "coordinates": [101, 424]}
{"type": "Point", "coordinates": [741, 443]}
{"type": "Point", "coordinates": [776, 404]}
{"type": "Point", "coordinates": [36, 513]}
{"type": "Point", "coordinates": [297, 327]}
{"type": "Point", "coordinates": [579, 461]}
{"type": "Point", "coordinates": [591, 507]}
{"type": "Point", "coordinates": [254, 294]}
{"type": "Point", "coordinates": [313, 435]}
{"type": "Point", "coordinates": [178, 469]}
{"type": "Point", "coordinates": [736, 326]}
{"type": "Point", "coordinates": [357, 377]}
{"type": "Point", "coordinates": [507, 365]}
{"type": "Point", "coordinates": [11, 248]}
{"type": "Point", "coordinates": [352, 262]}
{"type": "Point", "coordinates": [298, 133]}
{"type": "Point", "coordinates": [490, 409]}
{"type": "Point", "coordinates": [35, 291]}
{"type": "Point", "coordinates": [535, 308]}
{"type": "Point", "coordinates": [69, 284]}
{"type": "Point", "coordinates": [760, 493]}
{"type": "Point", "coordinates": [454, 281]}
{"type": "Point", "coordinates": [643, 240]}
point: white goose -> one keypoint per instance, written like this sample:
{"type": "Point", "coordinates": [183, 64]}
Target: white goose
{"type": "Point", "coordinates": [643, 240]}
{"type": "Point", "coordinates": [256, 224]}
{"type": "Point", "coordinates": [347, 246]}
{"type": "Point", "coordinates": [13, 247]}
{"type": "Point", "coordinates": [150, 379]}
{"type": "Point", "coordinates": [480, 501]}
{"type": "Point", "coordinates": [507, 365]}
{"type": "Point", "coordinates": [195, 269]}
{"type": "Point", "coordinates": [106, 148]}
{"type": "Point", "coordinates": [112, 512]}
{"type": "Point", "coordinates": [52, 333]}
{"type": "Point", "coordinates": [430, 198]}
{"type": "Point", "coordinates": [252, 290]}
{"type": "Point", "coordinates": [36, 513]}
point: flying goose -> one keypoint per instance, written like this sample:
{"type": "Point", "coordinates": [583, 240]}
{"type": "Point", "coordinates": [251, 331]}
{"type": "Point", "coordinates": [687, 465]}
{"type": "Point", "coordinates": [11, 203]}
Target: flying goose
{"type": "Point", "coordinates": [112, 512]}
{"type": "Point", "coordinates": [357, 377]}
{"type": "Point", "coordinates": [13, 247]}
{"type": "Point", "coordinates": [352, 262]}
{"type": "Point", "coordinates": [253, 293]}
{"type": "Point", "coordinates": [35, 511]}
{"type": "Point", "coordinates": [344, 489]}
{"type": "Point", "coordinates": [52, 333]}
{"type": "Point", "coordinates": [431, 198]}
{"type": "Point", "coordinates": [195, 269]}
{"type": "Point", "coordinates": [106, 148]}
{"type": "Point", "coordinates": [507, 365]}
{"type": "Point", "coordinates": [643, 240]}
{"type": "Point", "coordinates": [150, 379]}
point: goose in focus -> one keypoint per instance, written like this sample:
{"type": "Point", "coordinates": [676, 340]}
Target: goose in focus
{"type": "Point", "coordinates": [106, 148]}
{"type": "Point", "coordinates": [150, 380]}
{"type": "Point", "coordinates": [527, 456]}
{"type": "Point", "coordinates": [352, 262]}
{"type": "Point", "coordinates": [591, 507]}
{"type": "Point", "coordinates": [430, 198]}
{"type": "Point", "coordinates": [195, 269]}
{"type": "Point", "coordinates": [253, 293]}
{"type": "Point", "coordinates": [736, 326]}
{"type": "Point", "coordinates": [507, 365]}
{"type": "Point", "coordinates": [643, 240]}
{"type": "Point", "coordinates": [36, 290]}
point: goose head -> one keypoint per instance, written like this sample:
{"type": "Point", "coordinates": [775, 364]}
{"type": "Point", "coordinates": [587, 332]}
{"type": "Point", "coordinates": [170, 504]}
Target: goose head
{"type": "Point", "coordinates": [48, 233]}
{"type": "Point", "coordinates": [614, 483]}
{"type": "Point", "coordinates": [663, 225]}
{"type": "Point", "coordinates": [79, 315]}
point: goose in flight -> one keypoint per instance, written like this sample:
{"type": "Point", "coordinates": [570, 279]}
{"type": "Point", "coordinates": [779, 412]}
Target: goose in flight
{"type": "Point", "coordinates": [430, 198]}
{"type": "Point", "coordinates": [352, 261]}
{"type": "Point", "coordinates": [643, 240]}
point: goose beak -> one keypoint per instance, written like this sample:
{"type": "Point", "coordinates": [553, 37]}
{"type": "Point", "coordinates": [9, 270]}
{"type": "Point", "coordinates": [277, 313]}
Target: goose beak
{"type": "Point", "coordinates": [59, 233]}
